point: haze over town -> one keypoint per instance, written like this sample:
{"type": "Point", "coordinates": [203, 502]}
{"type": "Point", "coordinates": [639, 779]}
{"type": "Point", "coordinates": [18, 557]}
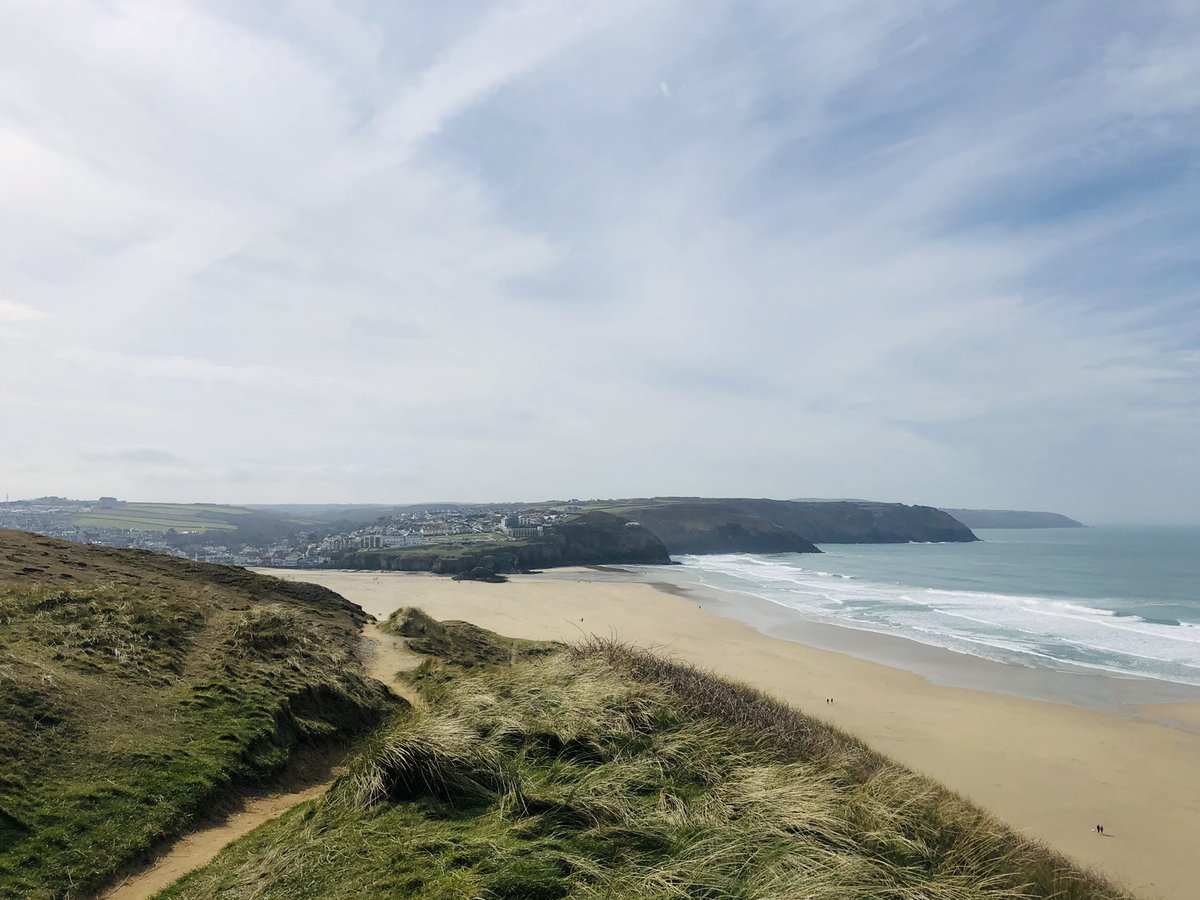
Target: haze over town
{"type": "Point", "coordinates": [316, 253]}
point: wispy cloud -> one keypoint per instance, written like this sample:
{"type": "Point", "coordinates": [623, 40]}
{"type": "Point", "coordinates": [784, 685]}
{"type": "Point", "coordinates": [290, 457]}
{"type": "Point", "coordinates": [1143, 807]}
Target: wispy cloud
{"type": "Point", "coordinates": [16, 312]}
{"type": "Point", "coordinates": [173, 367]}
{"type": "Point", "coordinates": [942, 254]}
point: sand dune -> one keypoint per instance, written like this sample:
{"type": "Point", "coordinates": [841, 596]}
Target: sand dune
{"type": "Point", "coordinates": [1052, 770]}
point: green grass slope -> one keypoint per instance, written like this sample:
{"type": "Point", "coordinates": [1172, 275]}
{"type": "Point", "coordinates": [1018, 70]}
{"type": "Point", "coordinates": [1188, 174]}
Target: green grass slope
{"type": "Point", "coordinates": [605, 772]}
{"type": "Point", "coordinates": [136, 690]}
{"type": "Point", "coordinates": [462, 643]}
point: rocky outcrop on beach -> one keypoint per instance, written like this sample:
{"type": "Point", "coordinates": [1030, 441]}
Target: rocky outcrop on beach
{"type": "Point", "coordinates": [481, 573]}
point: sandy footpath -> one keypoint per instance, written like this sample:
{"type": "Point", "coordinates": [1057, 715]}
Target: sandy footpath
{"type": "Point", "coordinates": [383, 658]}
{"type": "Point", "coordinates": [1052, 770]}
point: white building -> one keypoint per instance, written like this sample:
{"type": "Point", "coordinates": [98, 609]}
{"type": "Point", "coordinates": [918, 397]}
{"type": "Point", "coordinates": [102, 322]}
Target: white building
{"type": "Point", "coordinates": [411, 539]}
{"type": "Point", "coordinates": [520, 532]}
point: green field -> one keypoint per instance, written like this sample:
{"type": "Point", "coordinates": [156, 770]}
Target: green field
{"type": "Point", "coordinates": [145, 523]}
{"type": "Point", "coordinates": [466, 540]}
{"type": "Point", "coordinates": [195, 517]}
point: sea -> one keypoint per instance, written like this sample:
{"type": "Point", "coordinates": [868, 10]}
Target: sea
{"type": "Point", "coordinates": [1121, 600]}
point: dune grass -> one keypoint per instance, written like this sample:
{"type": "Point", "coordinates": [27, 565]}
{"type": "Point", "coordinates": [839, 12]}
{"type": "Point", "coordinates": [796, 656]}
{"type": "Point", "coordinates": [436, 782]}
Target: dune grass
{"type": "Point", "coordinates": [461, 643]}
{"type": "Point", "coordinates": [136, 691]}
{"type": "Point", "coordinates": [604, 771]}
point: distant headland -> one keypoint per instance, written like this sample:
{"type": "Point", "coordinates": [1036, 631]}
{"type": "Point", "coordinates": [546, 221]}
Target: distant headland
{"type": "Point", "coordinates": [1012, 518]}
{"type": "Point", "coordinates": [457, 538]}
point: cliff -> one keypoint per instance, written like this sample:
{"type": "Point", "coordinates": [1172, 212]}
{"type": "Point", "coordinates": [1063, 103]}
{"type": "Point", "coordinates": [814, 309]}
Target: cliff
{"type": "Point", "coordinates": [1012, 518]}
{"type": "Point", "coordinates": [700, 525]}
{"type": "Point", "coordinates": [649, 531]}
{"type": "Point", "coordinates": [595, 538]}
{"type": "Point", "coordinates": [714, 526]}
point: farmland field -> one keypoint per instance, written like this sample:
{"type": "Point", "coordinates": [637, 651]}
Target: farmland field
{"type": "Point", "coordinates": [163, 516]}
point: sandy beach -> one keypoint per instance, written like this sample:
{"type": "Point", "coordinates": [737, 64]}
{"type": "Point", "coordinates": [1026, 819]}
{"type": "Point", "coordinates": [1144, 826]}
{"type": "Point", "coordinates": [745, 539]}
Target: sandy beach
{"type": "Point", "coordinates": [1051, 769]}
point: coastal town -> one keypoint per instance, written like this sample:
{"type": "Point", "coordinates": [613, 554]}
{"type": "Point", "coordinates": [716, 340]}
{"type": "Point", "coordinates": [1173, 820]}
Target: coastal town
{"type": "Point", "coordinates": [167, 529]}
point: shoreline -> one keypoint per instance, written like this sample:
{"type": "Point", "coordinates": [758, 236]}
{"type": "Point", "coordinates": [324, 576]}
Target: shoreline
{"type": "Point", "coordinates": [1050, 769]}
{"type": "Point", "coordinates": [1127, 695]}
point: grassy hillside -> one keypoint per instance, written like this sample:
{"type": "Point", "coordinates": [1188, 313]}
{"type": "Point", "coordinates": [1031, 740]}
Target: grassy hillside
{"type": "Point", "coordinates": [136, 690]}
{"type": "Point", "coordinates": [465, 644]}
{"type": "Point", "coordinates": [602, 771]}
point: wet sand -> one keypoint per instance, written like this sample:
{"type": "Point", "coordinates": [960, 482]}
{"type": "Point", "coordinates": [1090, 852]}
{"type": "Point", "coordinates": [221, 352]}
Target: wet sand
{"type": "Point", "coordinates": [1051, 769]}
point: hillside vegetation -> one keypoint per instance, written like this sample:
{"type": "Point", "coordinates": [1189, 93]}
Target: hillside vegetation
{"type": "Point", "coordinates": [602, 771]}
{"type": "Point", "coordinates": [193, 524]}
{"type": "Point", "coordinates": [745, 525]}
{"type": "Point", "coordinates": [594, 538]}
{"type": "Point", "coordinates": [162, 517]}
{"type": "Point", "coordinates": [136, 690]}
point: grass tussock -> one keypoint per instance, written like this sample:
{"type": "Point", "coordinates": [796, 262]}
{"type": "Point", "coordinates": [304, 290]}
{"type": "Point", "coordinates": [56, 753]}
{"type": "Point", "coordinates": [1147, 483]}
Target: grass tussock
{"type": "Point", "coordinates": [604, 772]}
{"type": "Point", "coordinates": [136, 691]}
{"type": "Point", "coordinates": [922, 812]}
{"type": "Point", "coordinates": [461, 643]}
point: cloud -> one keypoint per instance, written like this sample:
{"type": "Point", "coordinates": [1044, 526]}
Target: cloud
{"type": "Point", "coordinates": [392, 251]}
{"type": "Point", "coordinates": [16, 312]}
{"type": "Point", "coordinates": [173, 367]}
{"type": "Point", "coordinates": [135, 455]}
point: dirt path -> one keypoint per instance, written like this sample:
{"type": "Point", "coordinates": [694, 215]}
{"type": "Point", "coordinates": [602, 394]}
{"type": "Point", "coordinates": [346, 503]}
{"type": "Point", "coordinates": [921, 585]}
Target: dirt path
{"type": "Point", "coordinates": [199, 847]}
{"type": "Point", "coordinates": [384, 657]}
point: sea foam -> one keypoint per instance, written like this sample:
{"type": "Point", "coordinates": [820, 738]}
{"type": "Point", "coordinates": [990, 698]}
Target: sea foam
{"type": "Point", "coordinates": [1068, 634]}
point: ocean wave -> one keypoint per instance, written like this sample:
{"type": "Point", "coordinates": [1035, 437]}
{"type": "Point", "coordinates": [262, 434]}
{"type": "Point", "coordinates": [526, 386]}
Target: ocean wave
{"type": "Point", "coordinates": [1033, 630]}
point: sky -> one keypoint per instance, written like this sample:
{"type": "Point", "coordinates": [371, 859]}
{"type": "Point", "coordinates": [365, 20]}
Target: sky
{"type": "Point", "coordinates": [934, 252]}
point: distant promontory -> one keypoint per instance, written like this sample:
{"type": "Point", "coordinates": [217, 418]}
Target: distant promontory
{"type": "Point", "coordinates": [1012, 518]}
{"type": "Point", "coordinates": [748, 525]}
{"type": "Point", "coordinates": [652, 530]}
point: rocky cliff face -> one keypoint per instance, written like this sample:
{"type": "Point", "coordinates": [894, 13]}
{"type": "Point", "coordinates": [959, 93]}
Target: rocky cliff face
{"type": "Point", "coordinates": [714, 527]}
{"type": "Point", "coordinates": [596, 538]}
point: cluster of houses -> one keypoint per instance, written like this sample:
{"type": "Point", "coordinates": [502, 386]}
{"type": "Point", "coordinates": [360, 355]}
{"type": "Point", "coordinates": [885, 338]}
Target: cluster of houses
{"type": "Point", "coordinates": [373, 539]}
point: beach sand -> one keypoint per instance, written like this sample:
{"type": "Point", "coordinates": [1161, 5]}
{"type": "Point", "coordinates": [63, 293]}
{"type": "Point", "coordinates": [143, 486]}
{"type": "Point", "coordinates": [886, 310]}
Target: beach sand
{"type": "Point", "coordinates": [1051, 770]}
